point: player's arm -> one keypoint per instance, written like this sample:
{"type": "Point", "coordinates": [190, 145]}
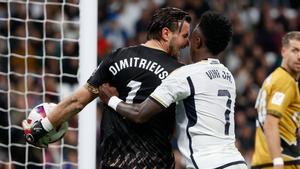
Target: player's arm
{"type": "Point", "coordinates": [65, 109]}
{"type": "Point", "coordinates": [271, 130]}
{"type": "Point", "coordinates": [72, 104]}
{"type": "Point", "coordinates": [138, 113]}
{"type": "Point", "coordinates": [171, 90]}
{"type": "Point", "coordinates": [276, 106]}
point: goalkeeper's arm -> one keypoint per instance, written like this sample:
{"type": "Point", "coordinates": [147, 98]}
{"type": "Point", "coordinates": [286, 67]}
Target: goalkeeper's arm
{"type": "Point", "coordinates": [65, 109]}
{"type": "Point", "coordinates": [71, 105]}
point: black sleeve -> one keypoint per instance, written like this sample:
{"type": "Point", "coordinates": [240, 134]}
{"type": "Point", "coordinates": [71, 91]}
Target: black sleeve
{"type": "Point", "coordinates": [101, 74]}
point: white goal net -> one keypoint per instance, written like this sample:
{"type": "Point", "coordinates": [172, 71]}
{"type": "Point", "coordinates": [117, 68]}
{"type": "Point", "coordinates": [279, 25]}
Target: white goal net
{"type": "Point", "coordinates": [39, 61]}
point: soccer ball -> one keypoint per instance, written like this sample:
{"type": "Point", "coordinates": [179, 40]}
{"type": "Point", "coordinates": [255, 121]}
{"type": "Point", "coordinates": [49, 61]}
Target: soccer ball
{"type": "Point", "coordinates": [41, 111]}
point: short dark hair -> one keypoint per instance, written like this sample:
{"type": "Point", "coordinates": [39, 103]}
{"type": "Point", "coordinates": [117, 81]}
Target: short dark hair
{"type": "Point", "coordinates": [294, 35]}
{"type": "Point", "coordinates": [166, 17]}
{"type": "Point", "coordinates": [217, 31]}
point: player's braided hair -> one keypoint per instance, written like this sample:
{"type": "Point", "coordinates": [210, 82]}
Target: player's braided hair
{"type": "Point", "coordinates": [166, 17]}
{"type": "Point", "coordinates": [217, 31]}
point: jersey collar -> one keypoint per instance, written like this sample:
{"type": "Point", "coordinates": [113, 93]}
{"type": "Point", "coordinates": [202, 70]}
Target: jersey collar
{"type": "Point", "coordinates": [209, 61]}
{"type": "Point", "coordinates": [213, 61]}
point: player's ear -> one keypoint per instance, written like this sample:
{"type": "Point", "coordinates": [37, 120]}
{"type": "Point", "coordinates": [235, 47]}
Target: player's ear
{"type": "Point", "coordinates": [199, 42]}
{"type": "Point", "coordinates": [165, 33]}
{"type": "Point", "coordinates": [283, 50]}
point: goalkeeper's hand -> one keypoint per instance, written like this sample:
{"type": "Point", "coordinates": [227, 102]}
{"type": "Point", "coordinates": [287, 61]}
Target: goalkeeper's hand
{"type": "Point", "coordinates": [33, 131]}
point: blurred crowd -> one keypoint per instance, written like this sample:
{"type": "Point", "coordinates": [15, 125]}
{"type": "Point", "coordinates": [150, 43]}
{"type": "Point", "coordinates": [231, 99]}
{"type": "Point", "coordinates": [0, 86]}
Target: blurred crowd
{"type": "Point", "coordinates": [52, 56]}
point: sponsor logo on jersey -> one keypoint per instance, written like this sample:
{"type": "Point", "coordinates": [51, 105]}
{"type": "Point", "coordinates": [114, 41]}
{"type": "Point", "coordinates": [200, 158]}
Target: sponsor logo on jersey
{"type": "Point", "coordinates": [278, 98]}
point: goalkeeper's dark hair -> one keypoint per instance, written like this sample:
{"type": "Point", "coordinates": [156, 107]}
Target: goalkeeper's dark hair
{"type": "Point", "coordinates": [216, 31]}
{"type": "Point", "coordinates": [166, 17]}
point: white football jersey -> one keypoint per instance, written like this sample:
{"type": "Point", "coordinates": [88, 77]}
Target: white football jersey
{"type": "Point", "coordinates": [205, 94]}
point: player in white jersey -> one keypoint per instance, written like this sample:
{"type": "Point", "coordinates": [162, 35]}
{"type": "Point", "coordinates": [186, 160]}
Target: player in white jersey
{"type": "Point", "coordinates": [205, 94]}
{"type": "Point", "coordinates": [205, 113]}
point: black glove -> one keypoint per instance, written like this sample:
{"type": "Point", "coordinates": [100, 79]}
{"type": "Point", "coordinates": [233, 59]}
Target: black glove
{"type": "Point", "coordinates": [33, 133]}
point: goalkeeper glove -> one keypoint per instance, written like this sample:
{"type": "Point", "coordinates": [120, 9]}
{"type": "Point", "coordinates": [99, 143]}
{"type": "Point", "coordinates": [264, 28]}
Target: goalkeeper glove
{"type": "Point", "coordinates": [34, 132]}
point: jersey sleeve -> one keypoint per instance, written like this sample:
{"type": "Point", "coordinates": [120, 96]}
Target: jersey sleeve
{"type": "Point", "coordinates": [101, 74]}
{"type": "Point", "coordinates": [172, 89]}
{"type": "Point", "coordinates": [280, 97]}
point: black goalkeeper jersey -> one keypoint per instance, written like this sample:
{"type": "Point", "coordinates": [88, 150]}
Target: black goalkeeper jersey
{"type": "Point", "coordinates": [135, 72]}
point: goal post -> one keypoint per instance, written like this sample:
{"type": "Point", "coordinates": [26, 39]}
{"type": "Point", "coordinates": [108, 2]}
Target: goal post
{"type": "Point", "coordinates": [88, 62]}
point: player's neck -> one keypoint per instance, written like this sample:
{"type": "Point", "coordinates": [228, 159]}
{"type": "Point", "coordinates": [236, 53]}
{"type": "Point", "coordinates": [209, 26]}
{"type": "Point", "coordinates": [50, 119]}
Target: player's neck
{"type": "Point", "coordinates": [294, 74]}
{"type": "Point", "coordinates": [155, 44]}
{"type": "Point", "coordinates": [203, 54]}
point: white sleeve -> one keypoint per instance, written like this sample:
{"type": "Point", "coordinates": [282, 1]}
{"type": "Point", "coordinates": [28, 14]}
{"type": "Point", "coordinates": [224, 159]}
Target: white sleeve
{"type": "Point", "coordinates": [172, 89]}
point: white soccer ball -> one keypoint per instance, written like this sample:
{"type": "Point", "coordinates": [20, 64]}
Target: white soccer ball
{"type": "Point", "coordinates": [41, 111]}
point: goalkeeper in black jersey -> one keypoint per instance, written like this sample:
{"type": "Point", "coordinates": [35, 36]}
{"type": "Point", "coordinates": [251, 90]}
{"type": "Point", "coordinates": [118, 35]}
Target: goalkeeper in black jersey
{"type": "Point", "coordinates": [135, 71]}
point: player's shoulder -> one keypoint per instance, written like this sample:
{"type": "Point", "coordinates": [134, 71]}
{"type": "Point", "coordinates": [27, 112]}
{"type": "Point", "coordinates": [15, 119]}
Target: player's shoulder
{"type": "Point", "coordinates": [280, 80]}
{"type": "Point", "coordinates": [140, 51]}
{"type": "Point", "coordinates": [279, 77]}
{"type": "Point", "coordinates": [183, 70]}
{"type": "Point", "coordinates": [199, 67]}
{"type": "Point", "coordinates": [193, 68]}
{"type": "Point", "coordinates": [122, 50]}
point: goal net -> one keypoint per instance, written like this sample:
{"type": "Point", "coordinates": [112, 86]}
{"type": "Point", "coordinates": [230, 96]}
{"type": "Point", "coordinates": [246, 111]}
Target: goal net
{"type": "Point", "coordinates": [39, 62]}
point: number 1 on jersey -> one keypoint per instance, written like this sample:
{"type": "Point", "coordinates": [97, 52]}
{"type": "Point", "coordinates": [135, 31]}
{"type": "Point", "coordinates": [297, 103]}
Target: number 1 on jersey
{"type": "Point", "coordinates": [135, 86]}
{"type": "Point", "coordinates": [227, 112]}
